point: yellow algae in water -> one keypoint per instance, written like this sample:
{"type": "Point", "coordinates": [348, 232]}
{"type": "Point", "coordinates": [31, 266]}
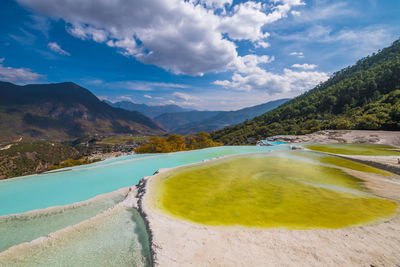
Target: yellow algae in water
{"type": "Point", "coordinates": [352, 165]}
{"type": "Point", "coordinates": [356, 149]}
{"type": "Point", "coordinates": [269, 191]}
{"type": "Point", "coordinates": [340, 162]}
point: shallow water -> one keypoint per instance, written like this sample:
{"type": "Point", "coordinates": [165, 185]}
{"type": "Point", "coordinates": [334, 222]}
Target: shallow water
{"type": "Point", "coordinates": [355, 149]}
{"type": "Point", "coordinates": [17, 229]}
{"type": "Point", "coordinates": [18, 195]}
{"type": "Point", "coordinates": [117, 239]}
{"type": "Point", "coordinates": [286, 189]}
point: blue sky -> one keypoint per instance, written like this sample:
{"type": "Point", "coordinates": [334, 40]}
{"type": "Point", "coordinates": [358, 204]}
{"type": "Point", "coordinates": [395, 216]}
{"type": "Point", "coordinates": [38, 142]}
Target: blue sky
{"type": "Point", "coordinates": [201, 54]}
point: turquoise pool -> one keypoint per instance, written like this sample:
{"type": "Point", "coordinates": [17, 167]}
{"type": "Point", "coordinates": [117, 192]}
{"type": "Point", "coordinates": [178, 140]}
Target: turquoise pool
{"type": "Point", "coordinates": [19, 195]}
{"type": "Point", "coordinates": [277, 143]}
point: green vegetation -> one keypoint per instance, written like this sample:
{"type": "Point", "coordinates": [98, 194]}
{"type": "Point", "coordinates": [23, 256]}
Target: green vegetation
{"type": "Point", "coordinates": [176, 142]}
{"type": "Point", "coordinates": [72, 162]}
{"type": "Point", "coordinates": [274, 190]}
{"type": "Point", "coordinates": [31, 157]}
{"type": "Point", "coordinates": [356, 149]}
{"type": "Point", "coordinates": [365, 96]}
{"type": "Point", "coordinates": [123, 140]}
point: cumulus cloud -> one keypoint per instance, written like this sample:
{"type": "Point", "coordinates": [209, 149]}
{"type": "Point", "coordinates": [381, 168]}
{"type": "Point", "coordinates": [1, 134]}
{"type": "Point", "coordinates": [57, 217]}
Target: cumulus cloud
{"type": "Point", "coordinates": [183, 37]}
{"type": "Point", "coordinates": [249, 17]}
{"type": "Point", "coordinates": [56, 48]}
{"type": "Point", "coordinates": [17, 75]}
{"type": "Point", "coordinates": [249, 75]}
{"type": "Point", "coordinates": [305, 66]}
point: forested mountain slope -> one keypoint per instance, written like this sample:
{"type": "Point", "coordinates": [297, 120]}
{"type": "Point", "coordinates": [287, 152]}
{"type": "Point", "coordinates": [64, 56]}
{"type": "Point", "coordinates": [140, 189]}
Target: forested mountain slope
{"type": "Point", "coordinates": [363, 96]}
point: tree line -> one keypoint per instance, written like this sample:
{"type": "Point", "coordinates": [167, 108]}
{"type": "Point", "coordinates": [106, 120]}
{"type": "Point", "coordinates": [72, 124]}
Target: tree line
{"type": "Point", "coordinates": [175, 142]}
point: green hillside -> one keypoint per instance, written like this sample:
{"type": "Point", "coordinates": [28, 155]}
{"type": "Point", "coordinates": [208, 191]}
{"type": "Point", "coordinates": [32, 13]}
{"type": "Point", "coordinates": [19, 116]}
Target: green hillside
{"type": "Point", "coordinates": [365, 96]}
{"type": "Point", "coordinates": [31, 157]}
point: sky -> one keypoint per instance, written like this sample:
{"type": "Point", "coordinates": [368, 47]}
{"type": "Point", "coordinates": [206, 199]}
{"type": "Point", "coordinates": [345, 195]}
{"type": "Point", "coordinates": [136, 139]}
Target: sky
{"type": "Point", "coordinates": [199, 54]}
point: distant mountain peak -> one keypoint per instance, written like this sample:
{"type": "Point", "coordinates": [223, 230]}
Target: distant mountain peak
{"type": "Point", "coordinates": [150, 111]}
{"type": "Point", "coordinates": [64, 110]}
{"type": "Point", "coordinates": [198, 121]}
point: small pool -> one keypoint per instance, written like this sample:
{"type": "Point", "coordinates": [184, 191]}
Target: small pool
{"type": "Point", "coordinates": [277, 143]}
{"type": "Point", "coordinates": [355, 149]}
{"type": "Point", "coordinates": [293, 190]}
{"type": "Point", "coordinates": [117, 237]}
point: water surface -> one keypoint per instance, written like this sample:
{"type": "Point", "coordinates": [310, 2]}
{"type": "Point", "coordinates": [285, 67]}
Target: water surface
{"type": "Point", "coordinates": [355, 149]}
{"type": "Point", "coordinates": [294, 190]}
{"type": "Point", "coordinates": [19, 195]}
{"type": "Point", "coordinates": [116, 238]}
{"type": "Point", "coordinates": [17, 229]}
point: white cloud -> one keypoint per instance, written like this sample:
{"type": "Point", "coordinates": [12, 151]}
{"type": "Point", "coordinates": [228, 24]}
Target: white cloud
{"type": "Point", "coordinates": [262, 44]}
{"type": "Point", "coordinates": [183, 37]}
{"type": "Point", "coordinates": [305, 66]}
{"type": "Point", "coordinates": [249, 63]}
{"type": "Point", "coordinates": [249, 75]}
{"type": "Point", "coordinates": [87, 32]}
{"type": "Point", "coordinates": [324, 10]}
{"type": "Point", "coordinates": [295, 13]}
{"type": "Point", "coordinates": [126, 98]}
{"type": "Point", "coordinates": [56, 48]}
{"type": "Point", "coordinates": [103, 97]}
{"type": "Point", "coordinates": [357, 42]}
{"type": "Point", "coordinates": [17, 75]}
{"type": "Point", "coordinates": [217, 99]}
{"type": "Point", "coordinates": [297, 54]}
{"type": "Point", "coordinates": [179, 103]}
{"type": "Point", "coordinates": [183, 96]}
{"type": "Point", "coordinates": [249, 17]}
{"type": "Point", "coordinates": [128, 45]}
{"type": "Point", "coordinates": [136, 85]}
{"type": "Point", "coordinates": [147, 96]}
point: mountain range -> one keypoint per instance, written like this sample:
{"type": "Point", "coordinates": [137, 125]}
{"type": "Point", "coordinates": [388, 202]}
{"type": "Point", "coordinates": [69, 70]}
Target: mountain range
{"type": "Point", "coordinates": [63, 111]}
{"type": "Point", "coordinates": [147, 110]}
{"type": "Point", "coordinates": [205, 121]}
{"type": "Point", "coordinates": [365, 96]}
